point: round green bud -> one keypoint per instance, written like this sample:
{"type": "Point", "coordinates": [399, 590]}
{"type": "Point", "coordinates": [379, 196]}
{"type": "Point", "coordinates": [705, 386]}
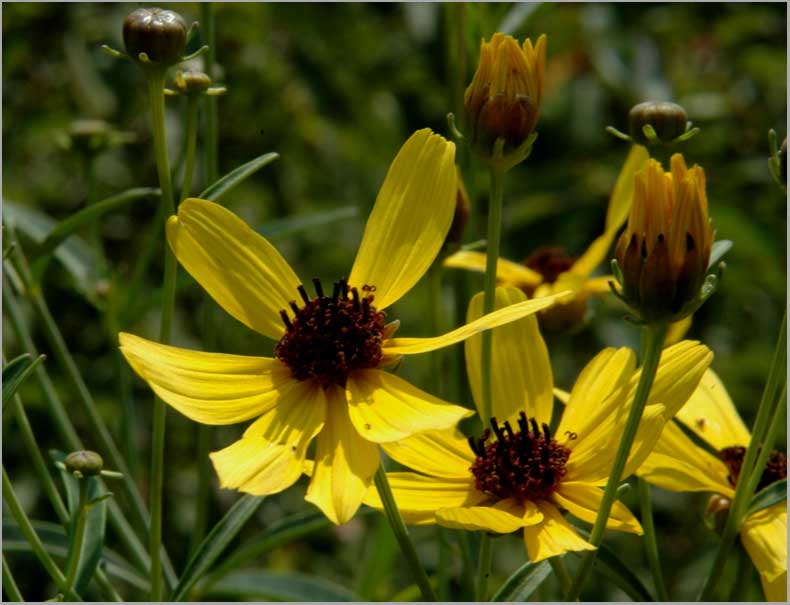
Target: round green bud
{"type": "Point", "coordinates": [192, 82]}
{"type": "Point", "coordinates": [85, 462]}
{"type": "Point", "coordinates": [668, 120]}
{"type": "Point", "coordinates": [159, 33]}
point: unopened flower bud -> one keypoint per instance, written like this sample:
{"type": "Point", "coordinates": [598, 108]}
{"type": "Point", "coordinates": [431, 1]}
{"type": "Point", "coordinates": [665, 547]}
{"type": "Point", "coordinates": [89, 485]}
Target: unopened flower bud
{"type": "Point", "coordinates": [664, 251]}
{"type": "Point", "coordinates": [461, 216]}
{"type": "Point", "coordinates": [85, 462]}
{"type": "Point", "coordinates": [160, 34]}
{"type": "Point", "coordinates": [502, 104]}
{"type": "Point", "coordinates": [716, 512]}
{"type": "Point", "coordinates": [668, 121]}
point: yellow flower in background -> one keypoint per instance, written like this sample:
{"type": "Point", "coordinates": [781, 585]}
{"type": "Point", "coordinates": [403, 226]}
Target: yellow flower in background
{"type": "Point", "coordinates": [680, 465]}
{"type": "Point", "coordinates": [502, 103]}
{"type": "Point", "coordinates": [519, 476]}
{"type": "Point", "coordinates": [326, 380]}
{"type": "Point", "coordinates": [549, 270]}
{"type": "Point", "coordinates": [663, 254]}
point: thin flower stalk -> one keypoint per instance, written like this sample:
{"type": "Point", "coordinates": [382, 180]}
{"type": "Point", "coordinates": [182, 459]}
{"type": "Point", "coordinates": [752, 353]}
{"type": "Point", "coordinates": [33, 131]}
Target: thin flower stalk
{"type": "Point", "coordinates": [651, 542]}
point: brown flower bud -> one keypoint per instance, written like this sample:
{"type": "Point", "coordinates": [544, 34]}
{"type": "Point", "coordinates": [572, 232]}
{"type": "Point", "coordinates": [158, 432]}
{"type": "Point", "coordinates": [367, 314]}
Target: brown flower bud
{"type": "Point", "coordinates": [668, 120]}
{"type": "Point", "coordinates": [160, 34]}
{"type": "Point", "coordinates": [85, 462]}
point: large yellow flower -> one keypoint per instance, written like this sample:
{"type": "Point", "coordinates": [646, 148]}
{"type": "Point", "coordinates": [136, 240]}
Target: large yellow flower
{"type": "Point", "coordinates": [325, 380]}
{"type": "Point", "coordinates": [549, 270]}
{"type": "Point", "coordinates": [678, 464]}
{"type": "Point", "coordinates": [524, 475]}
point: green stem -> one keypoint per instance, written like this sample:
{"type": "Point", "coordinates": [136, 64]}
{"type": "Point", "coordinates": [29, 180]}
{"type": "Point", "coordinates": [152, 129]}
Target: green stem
{"type": "Point", "coordinates": [654, 342]}
{"type": "Point", "coordinates": [484, 559]}
{"type": "Point", "coordinates": [156, 83]}
{"type": "Point", "coordinates": [651, 542]}
{"type": "Point", "coordinates": [35, 542]}
{"type": "Point", "coordinates": [467, 565]}
{"type": "Point", "coordinates": [402, 534]}
{"type": "Point", "coordinates": [559, 569]}
{"type": "Point", "coordinates": [764, 426]}
{"type": "Point", "coordinates": [9, 584]}
{"type": "Point", "coordinates": [203, 486]}
{"type": "Point", "coordinates": [75, 550]}
{"type": "Point", "coordinates": [211, 143]}
{"type": "Point", "coordinates": [190, 144]}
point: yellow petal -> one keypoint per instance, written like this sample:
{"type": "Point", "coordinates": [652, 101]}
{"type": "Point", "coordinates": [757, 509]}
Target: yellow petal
{"type": "Point", "coordinates": [503, 517]}
{"type": "Point", "coordinates": [417, 495]}
{"type": "Point", "coordinates": [507, 272]}
{"type": "Point", "coordinates": [521, 376]}
{"type": "Point", "coordinates": [764, 536]}
{"type": "Point", "coordinates": [344, 463]}
{"type": "Point", "coordinates": [677, 330]}
{"type": "Point", "coordinates": [257, 467]}
{"type": "Point", "coordinates": [385, 408]}
{"type": "Point", "coordinates": [583, 501]}
{"type": "Point", "coordinates": [410, 220]}
{"type": "Point", "coordinates": [554, 536]}
{"type": "Point", "coordinates": [239, 269]}
{"type": "Point", "coordinates": [678, 464]}
{"type": "Point", "coordinates": [607, 372]}
{"type": "Point", "coordinates": [598, 285]}
{"type": "Point", "coordinates": [412, 346]}
{"type": "Point", "coordinates": [711, 414]}
{"type": "Point", "coordinates": [211, 388]}
{"type": "Point", "coordinates": [443, 454]}
{"type": "Point", "coordinates": [616, 213]}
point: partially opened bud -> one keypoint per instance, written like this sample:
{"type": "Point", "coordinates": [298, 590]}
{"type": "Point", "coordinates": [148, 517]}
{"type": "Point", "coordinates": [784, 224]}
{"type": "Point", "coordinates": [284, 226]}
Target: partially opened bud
{"type": "Point", "coordinates": [160, 34]}
{"type": "Point", "coordinates": [502, 103]}
{"type": "Point", "coordinates": [663, 254]}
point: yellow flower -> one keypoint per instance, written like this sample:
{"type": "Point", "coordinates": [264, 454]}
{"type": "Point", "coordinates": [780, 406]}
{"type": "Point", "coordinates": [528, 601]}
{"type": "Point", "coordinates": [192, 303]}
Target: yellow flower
{"type": "Point", "coordinates": [522, 477]}
{"type": "Point", "coordinates": [550, 270]}
{"type": "Point", "coordinates": [502, 103]}
{"type": "Point", "coordinates": [663, 254]}
{"type": "Point", "coordinates": [325, 380]}
{"type": "Point", "coordinates": [680, 465]}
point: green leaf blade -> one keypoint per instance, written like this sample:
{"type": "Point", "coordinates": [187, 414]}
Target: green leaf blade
{"type": "Point", "coordinates": [523, 582]}
{"type": "Point", "coordinates": [773, 494]}
{"type": "Point", "coordinates": [265, 585]}
{"type": "Point", "coordinates": [15, 372]}
{"type": "Point", "coordinates": [236, 176]}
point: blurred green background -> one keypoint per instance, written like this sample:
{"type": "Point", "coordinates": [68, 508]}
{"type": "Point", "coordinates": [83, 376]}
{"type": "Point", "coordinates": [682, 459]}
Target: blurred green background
{"type": "Point", "coordinates": [335, 90]}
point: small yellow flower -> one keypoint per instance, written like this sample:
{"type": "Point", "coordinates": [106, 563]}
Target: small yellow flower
{"type": "Point", "coordinates": [520, 478]}
{"type": "Point", "coordinates": [680, 465]}
{"type": "Point", "coordinates": [326, 380]}
{"type": "Point", "coordinates": [550, 270]}
{"type": "Point", "coordinates": [502, 103]}
{"type": "Point", "coordinates": [663, 253]}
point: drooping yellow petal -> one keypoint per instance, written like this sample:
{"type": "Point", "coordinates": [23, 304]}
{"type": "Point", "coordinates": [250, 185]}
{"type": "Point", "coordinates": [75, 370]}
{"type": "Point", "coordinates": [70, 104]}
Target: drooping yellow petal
{"type": "Point", "coordinates": [257, 467]}
{"type": "Point", "coordinates": [443, 454]}
{"type": "Point", "coordinates": [553, 536]}
{"type": "Point", "coordinates": [242, 271]}
{"type": "Point", "coordinates": [677, 330]}
{"type": "Point", "coordinates": [711, 414]}
{"type": "Point", "coordinates": [418, 496]}
{"type": "Point", "coordinates": [607, 372]}
{"type": "Point", "coordinates": [583, 501]}
{"type": "Point", "coordinates": [764, 536]}
{"type": "Point", "coordinates": [521, 378]}
{"type": "Point", "coordinates": [384, 407]}
{"type": "Point", "coordinates": [507, 272]}
{"type": "Point", "coordinates": [616, 213]}
{"type": "Point", "coordinates": [503, 517]}
{"type": "Point", "coordinates": [211, 388]}
{"type": "Point", "coordinates": [413, 346]}
{"type": "Point", "coordinates": [410, 220]}
{"type": "Point", "coordinates": [344, 463]}
{"type": "Point", "coordinates": [678, 464]}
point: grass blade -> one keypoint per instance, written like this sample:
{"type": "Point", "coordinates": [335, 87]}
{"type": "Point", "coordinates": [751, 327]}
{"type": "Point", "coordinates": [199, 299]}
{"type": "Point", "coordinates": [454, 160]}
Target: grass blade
{"type": "Point", "coordinates": [219, 188]}
{"type": "Point", "coordinates": [523, 582]}
{"type": "Point", "coordinates": [265, 585]}
{"type": "Point", "coordinates": [773, 494]}
{"type": "Point", "coordinates": [294, 224]}
{"type": "Point", "coordinates": [15, 372]}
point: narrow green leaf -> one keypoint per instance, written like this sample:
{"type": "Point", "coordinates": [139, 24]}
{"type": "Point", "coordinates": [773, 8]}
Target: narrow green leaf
{"type": "Point", "coordinates": [219, 188]}
{"type": "Point", "coordinates": [523, 582]}
{"type": "Point", "coordinates": [609, 565]}
{"type": "Point", "coordinates": [773, 494]}
{"type": "Point", "coordinates": [95, 520]}
{"type": "Point", "coordinates": [76, 221]}
{"type": "Point", "coordinates": [215, 542]}
{"type": "Point", "coordinates": [288, 226]}
{"type": "Point", "coordinates": [265, 585]}
{"type": "Point", "coordinates": [15, 372]}
{"type": "Point", "coordinates": [718, 250]}
{"type": "Point", "coordinates": [56, 544]}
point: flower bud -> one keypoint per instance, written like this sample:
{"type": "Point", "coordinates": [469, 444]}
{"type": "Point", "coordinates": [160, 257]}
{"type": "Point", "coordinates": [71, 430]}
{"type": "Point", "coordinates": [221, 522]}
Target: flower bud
{"type": "Point", "coordinates": [84, 462]}
{"type": "Point", "coordinates": [664, 251]}
{"type": "Point", "coordinates": [668, 121]}
{"type": "Point", "coordinates": [160, 34]}
{"type": "Point", "coordinates": [502, 104]}
{"type": "Point", "coordinates": [192, 82]}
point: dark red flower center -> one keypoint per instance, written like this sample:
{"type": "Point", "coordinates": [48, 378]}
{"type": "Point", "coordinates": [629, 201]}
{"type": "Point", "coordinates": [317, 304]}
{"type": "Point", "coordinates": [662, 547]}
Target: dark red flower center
{"type": "Point", "coordinates": [526, 464]}
{"type": "Point", "coordinates": [331, 336]}
{"type": "Point", "coordinates": [775, 468]}
{"type": "Point", "coordinates": [549, 261]}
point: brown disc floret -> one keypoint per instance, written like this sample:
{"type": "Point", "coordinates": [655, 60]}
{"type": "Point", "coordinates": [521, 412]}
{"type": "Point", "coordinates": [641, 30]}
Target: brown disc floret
{"type": "Point", "coordinates": [775, 468]}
